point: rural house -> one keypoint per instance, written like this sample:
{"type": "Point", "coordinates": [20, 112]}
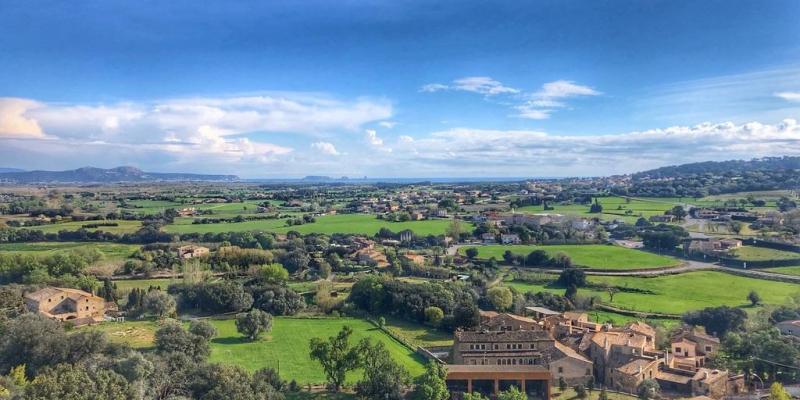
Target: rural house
{"type": "Point", "coordinates": [76, 306]}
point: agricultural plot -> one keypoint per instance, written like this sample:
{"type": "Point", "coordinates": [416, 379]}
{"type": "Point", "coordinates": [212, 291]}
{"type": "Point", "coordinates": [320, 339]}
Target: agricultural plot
{"type": "Point", "coordinates": [122, 226]}
{"type": "Point", "coordinates": [793, 270]}
{"type": "Point", "coordinates": [676, 294]}
{"type": "Point", "coordinates": [614, 207]}
{"type": "Point", "coordinates": [363, 224]}
{"type": "Point", "coordinates": [110, 251]}
{"type": "Point", "coordinates": [285, 348]}
{"type": "Point", "coordinates": [751, 253]}
{"type": "Point", "coordinates": [589, 256]}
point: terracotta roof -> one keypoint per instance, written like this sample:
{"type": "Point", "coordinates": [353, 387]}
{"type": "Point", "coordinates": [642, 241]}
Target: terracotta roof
{"type": "Point", "coordinates": [632, 368]}
{"type": "Point", "coordinates": [48, 292]}
{"type": "Point", "coordinates": [501, 336]}
{"type": "Point", "coordinates": [569, 352]}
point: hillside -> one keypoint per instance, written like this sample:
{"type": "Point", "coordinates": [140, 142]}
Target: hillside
{"type": "Point", "coordinates": [100, 175]}
{"type": "Point", "coordinates": [715, 177]}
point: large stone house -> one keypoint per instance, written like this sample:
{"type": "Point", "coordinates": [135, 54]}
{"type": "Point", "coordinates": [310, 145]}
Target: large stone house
{"type": "Point", "coordinates": [73, 305]}
{"type": "Point", "coordinates": [623, 357]}
{"type": "Point", "coordinates": [192, 251]}
{"type": "Point", "coordinates": [690, 348]}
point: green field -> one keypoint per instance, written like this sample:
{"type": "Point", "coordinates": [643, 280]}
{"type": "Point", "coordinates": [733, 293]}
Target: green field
{"type": "Point", "coordinates": [676, 294]}
{"type": "Point", "coordinates": [793, 270]}
{"type": "Point", "coordinates": [418, 335]}
{"type": "Point", "coordinates": [125, 285]}
{"type": "Point", "coordinates": [614, 207]}
{"type": "Point", "coordinates": [124, 226]}
{"type": "Point", "coordinates": [363, 224]}
{"type": "Point", "coordinates": [750, 253]}
{"type": "Point", "coordinates": [590, 256]}
{"type": "Point", "coordinates": [110, 251]}
{"type": "Point", "coordinates": [284, 348]}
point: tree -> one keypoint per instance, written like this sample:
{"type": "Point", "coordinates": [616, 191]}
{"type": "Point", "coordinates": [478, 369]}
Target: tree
{"type": "Point", "coordinates": [580, 391]}
{"type": "Point", "coordinates": [172, 338]}
{"type": "Point", "coordinates": [500, 297]}
{"type": "Point", "coordinates": [678, 212]}
{"type": "Point", "coordinates": [596, 207]}
{"type": "Point", "coordinates": [454, 229]}
{"type": "Point", "coordinates": [434, 315]}
{"type": "Point", "coordinates": [572, 277]}
{"type": "Point", "coordinates": [273, 273]}
{"type": "Point", "coordinates": [754, 298]}
{"type": "Point", "coordinates": [431, 385]}
{"type": "Point", "coordinates": [512, 394]}
{"type": "Point", "coordinates": [717, 320]}
{"type": "Point", "coordinates": [203, 329]}
{"type": "Point", "coordinates": [253, 323]}
{"type": "Point", "coordinates": [537, 258]}
{"type": "Point", "coordinates": [777, 392]}
{"type": "Point", "coordinates": [471, 252]}
{"type": "Point", "coordinates": [562, 384]}
{"type": "Point", "coordinates": [473, 396]}
{"type": "Point", "coordinates": [336, 356]}
{"type": "Point", "coordinates": [70, 382]}
{"type": "Point", "coordinates": [383, 377]}
{"type": "Point", "coordinates": [648, 389]}
{"type": "Point", "coordinates": [159, 303]}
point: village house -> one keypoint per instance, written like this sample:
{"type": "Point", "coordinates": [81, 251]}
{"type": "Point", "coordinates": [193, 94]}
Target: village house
{"type": "Point", "coordinates": [488, 238]}
{"type": "Point", "coordinates": [623, 357]}
{"type": "Point", "coordinates": [690, 348]}
{"type": "Point", "coordinates": [73, 305]}
{"type": "Point", "coordinates": [187, 212]}
{"type": "Point", "coordinates": [493, 321]}
{"type": "Point", "coordinates": [509, 238]}
{"type": "Point", "coordinates": [712, 246]}
{"type": "Point", "coordinates": [192, 251]}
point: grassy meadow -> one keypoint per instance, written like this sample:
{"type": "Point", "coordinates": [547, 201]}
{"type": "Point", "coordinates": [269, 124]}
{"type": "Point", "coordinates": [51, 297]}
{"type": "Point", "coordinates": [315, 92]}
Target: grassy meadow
{"type": "Point", "coordinates": [751, 253]}
{"type": "Point", "coordinates": [284, 348]}
{"type": "Point", "coordinates": [614, 207]}
{"type": "Point", "coordinates": [328, 224]}
{"type": "Point", "coordinates": [676, 294]}
{"type": "Point", "coordinates": [110, 251]}
{"type": "Point", "coordinates": [123, 226]}
{"type": "Point", "coordinates": [589, 256]}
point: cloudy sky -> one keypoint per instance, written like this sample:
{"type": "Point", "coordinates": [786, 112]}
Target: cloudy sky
{"type": "Point", "coordinates": [397, 88]}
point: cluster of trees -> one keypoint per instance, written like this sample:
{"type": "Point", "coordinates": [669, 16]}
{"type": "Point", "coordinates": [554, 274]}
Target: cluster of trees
{"type": "Point", "coordinates": [66, 268]}
{"type": "Point", "coordinates": [456, 300]}
{"type": "Point", "coordinates": [39, 360]}
{"type": "Point", "coordinates": [661, 237]}
{"type": "Point", "coordinates": [537, 259]}
{"type": "Point", "coordinates": [705, 178]}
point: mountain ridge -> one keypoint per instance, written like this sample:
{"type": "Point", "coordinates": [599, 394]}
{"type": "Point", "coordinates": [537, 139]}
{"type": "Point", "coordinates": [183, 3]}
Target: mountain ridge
{"type": "Point", "coordinates": [110, 175]}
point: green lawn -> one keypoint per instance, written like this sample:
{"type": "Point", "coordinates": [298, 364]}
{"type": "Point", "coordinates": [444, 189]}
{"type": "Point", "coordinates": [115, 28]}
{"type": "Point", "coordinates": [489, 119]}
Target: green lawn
{"type": "Point", "coordinates": [419, 335]}
{"type": "Point", "coordinates": [590, 256]}
{"type": "Point", "coordinates": [110, 251]}
{"type": "Point", "coordinates": [793, 270]}
{"type": "Point", "coordinates": [286, 347]}
{"type": "Point", "coordinates": [125, 285]}
{"type": "Point", "coordinates": [676, 294]}
{"type": "Point", "coordinates": [123, 226]}
{"type": "Point", "coordinates": [329, 224]}
{"type": "Point", "coordinates": [614, 207]}
{"type": "Point", "coordinates": [751, 253]}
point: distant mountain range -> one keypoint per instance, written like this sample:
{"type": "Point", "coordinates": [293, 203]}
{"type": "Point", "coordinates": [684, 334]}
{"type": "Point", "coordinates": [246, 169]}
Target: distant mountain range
{"type": "Point", "coordinates": [2, 170]}
{"type": "Point", "coordinates": [100, 175]}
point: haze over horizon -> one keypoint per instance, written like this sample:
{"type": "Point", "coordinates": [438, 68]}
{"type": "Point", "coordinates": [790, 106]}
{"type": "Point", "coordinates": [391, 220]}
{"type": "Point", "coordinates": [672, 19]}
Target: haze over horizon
{"type": "Point", "coordinates": [388, 89]}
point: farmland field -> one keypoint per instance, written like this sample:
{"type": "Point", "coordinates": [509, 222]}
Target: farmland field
{"type": "Point", "coordinates": [285, 348]}
{"type": "Point", "coordinates": [111, 251]}
{"type": "Point", "coordinates": [590, 256]}
{"type": "Point", "coordinates": [614, 207]}
{"type": "Point", "coordinates": [793, 270]}
{"type": "Point", "coordinates": [751, 253]}
{"type": "Point", "coordinates": [341, 223]}
{"type": "Point", "coordinates": [125, 285]}
{"type": "Point", "coordinates": [676, 294]}
{"type": "Point", "coordinates": [124, 226]}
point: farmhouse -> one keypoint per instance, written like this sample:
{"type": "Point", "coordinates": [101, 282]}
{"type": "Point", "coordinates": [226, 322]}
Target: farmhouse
{"type": "Point", "coordinates": [63, 304]}
{"type": "Point", "coordinates": [690, 349]}
{"type": "Point", "coordinates": [510, 238]}
{"type": "Point", "coordinates": [712, 246]}
{"type": "Point", "coordinates": [192, 251]}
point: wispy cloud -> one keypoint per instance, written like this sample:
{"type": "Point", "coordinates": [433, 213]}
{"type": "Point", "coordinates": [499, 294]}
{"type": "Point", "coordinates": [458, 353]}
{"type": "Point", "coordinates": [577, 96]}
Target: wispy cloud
{"type": "Point", "coordinates": [789, 96]}
{"type": "Point", "coordinates": [533, 105]}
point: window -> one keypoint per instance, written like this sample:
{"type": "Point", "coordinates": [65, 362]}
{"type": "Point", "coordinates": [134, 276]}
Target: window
{"type": "Point", "coordinates": [496, 347]}
{"type": "Point", "coordinates": [677, 349]}
{"type": "Point", "coordinates": [708, 348]}
{"type": "Point", "coordinates": [560, 370]}
{"type": "Point", "coordinates": [483, 347]}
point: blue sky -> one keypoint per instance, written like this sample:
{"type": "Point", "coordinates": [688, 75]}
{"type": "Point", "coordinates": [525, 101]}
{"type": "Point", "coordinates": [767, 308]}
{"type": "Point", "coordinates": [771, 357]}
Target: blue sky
{"type": "Point", "coordinates": [397, 88]}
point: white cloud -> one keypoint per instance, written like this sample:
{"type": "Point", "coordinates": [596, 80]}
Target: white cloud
{"type": "Point", "coordinates": [375, 141]}
{"type": "Point", "coordinates": [476, 84]}
{"type": "Point", "coordinates": [325, 148]}
{"type": "Point", "coordinates": [14, 121]}
{"type": "Point", "coordinates": [549, 98]}
{"type": "Point", "coordinates": [405, 139]}
{"type": "Point", "coordinates": [789, 96]}
{"type": "Point", "coordinates": [536, 105]}
{"type": "Point", "coordinates": [388, 124]}
{"type": "Point", "coordinates": [433, 87]}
